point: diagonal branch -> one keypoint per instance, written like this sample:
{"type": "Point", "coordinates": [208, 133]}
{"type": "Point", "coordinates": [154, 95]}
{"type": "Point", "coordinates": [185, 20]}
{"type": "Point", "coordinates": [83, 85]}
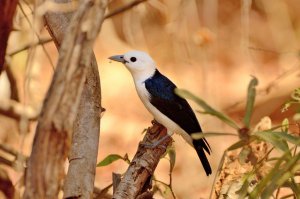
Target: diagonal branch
{"type": "Point", "coordinates": [16, 110]}
{"type": "Point", "coordinates": [124, 8]}
{"type": "Point", "coordinates": [54, 131]}
{"type": "Point", "coordinates": [136, 179]}
{"type": "Point", "coordinates": [29, 45]}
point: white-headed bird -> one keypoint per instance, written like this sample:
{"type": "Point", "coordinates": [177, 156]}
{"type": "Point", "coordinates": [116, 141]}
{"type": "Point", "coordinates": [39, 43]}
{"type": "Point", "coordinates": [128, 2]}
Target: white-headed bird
{"type": "Point", "coordinates": [157, 93]}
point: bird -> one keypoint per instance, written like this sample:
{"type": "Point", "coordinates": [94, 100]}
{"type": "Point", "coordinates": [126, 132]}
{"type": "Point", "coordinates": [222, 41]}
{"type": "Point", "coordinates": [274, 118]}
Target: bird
{"type": "Point", "coordinates": [157, 93]}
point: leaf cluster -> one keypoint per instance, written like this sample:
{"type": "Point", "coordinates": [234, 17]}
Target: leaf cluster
{"type": "Point", "coordinates": [285, 164]}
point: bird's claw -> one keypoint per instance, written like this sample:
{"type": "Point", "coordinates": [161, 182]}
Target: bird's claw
{"type": "Point", "coordinates": [153, 145]}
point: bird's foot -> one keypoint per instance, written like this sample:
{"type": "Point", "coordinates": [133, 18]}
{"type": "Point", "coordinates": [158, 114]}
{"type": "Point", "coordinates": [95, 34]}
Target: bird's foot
{"type": "Point", "coordinates": [156, 143]}
{"type": "Point", "coordinates": [154, 122]}
{"type": "Point", "coordinates": [153, 145]}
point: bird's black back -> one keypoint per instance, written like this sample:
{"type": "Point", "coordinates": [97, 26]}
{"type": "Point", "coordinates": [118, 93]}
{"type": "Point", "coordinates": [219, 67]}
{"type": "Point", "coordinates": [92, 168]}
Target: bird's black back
{"type": "Point", "coordinates": [162, 96]}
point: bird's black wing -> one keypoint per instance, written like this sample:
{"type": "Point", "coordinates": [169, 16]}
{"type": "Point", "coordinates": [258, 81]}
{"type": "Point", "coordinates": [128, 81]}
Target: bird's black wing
{"type": "Point", "coordinates": [162, 96]}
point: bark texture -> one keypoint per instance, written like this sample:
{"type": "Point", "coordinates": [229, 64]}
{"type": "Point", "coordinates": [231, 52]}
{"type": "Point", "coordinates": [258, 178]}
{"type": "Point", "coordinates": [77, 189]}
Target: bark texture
{"type": "Point", "coordinates": [80, 179]}
{"type": "Point", "coordinates": [54, 131]}
{"type": "Point", "coordinates": [7, 10]}
{"type": "Point", "coordinates": [136, 180]}
{"type": "Point", "coordinates": [79, 182]}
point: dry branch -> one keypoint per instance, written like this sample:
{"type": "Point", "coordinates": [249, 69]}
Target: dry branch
{"type": "Point", "coordinates": [12, 81]}
{"type": "Point", "coordinates": [12, 158]}
{"type": "Point", "coordinates": [124, 8]}
{"type": "Point", "coordinates": [84, 149]}
{"type": "Point", "coordinates": [29, 45]}
{"type": "Point", "coordinates": [137, 177]}
{"type": "Point", "coordinates": [53, 135]}
{"type": "Point", "coordinates": [7, 10]}
{"type": "Point", "coordinates": [16, 110]}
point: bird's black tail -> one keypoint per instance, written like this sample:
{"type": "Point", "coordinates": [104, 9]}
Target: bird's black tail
{"type": "Point", "coordinates": [200, 146]}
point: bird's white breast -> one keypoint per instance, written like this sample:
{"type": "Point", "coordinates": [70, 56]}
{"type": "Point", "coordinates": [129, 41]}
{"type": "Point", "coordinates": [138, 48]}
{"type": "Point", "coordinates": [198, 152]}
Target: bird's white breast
{"type": "Point", "coordinates": [171, 126]}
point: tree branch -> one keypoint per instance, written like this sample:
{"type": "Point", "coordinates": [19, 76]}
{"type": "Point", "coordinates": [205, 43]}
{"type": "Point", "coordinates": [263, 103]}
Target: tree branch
{"type": "Point", "coordinates": [84, 149]}
{"type": "Point", "coordinates": [54, 131]}
{"type": "Point", "coordinates": [12, 81]}
{"type": "Point", "coordinates": [16, 110]}
{"type": "Point", "coordinates": [29, 45]}
{"type": "Point", "coordinates": [137, 177]}
{"type": "Point", "coordinates": [124, 8]}
{"type": "Point", "coordinates": [17, 160]}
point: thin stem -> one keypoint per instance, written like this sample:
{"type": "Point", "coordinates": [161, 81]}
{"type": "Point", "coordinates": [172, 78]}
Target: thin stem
{"type": "Point", "coordinates": [124, 8]}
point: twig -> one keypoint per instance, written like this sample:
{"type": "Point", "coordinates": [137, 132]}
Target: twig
{"type": "Point", "coordinates": [54, 131]}
{"type": "Point", "coordinates": [18, 160]}
{"type": "Point", "coordinates": [16, 110]}
{"type": "Point", "coordinates": [30, 45]}
{"type": "Point", "coordinates": [6, 162]}
{"type": "Point", "coordinates": [12, 81]}
{"type": "Point", "coordinates": [9, 150]}
{"type": "Point", "coordinates": [124, 8]}
{"type": "Point", "coordinates": [277, 193]}
{"type": "Point", "coordinates": [143, 165]}
{"type": "Point", "coordinates": [267, 89]}
{"type": "Point", "coordinates": [102, 193]}
{"type": "Point", "coordinates": [116, 179]}
{"type": "Point", "coordinates": [37, 35]}
{"type": "Point", "coordinates": [167, 185]}
{"type": "Point", "coordinates": [170, 184]}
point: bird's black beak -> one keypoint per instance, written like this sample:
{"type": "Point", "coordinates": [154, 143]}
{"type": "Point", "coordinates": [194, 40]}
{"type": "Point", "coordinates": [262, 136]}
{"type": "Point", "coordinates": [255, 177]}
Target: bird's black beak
{"type": "Point", "coordinates": [118, 58]}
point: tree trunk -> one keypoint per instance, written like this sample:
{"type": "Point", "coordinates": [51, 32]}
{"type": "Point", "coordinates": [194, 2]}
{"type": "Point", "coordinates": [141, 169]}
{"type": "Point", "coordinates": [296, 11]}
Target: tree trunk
{"type": "Point", "coordinates": [54, 131]}
{"type": "Point", "coordinates": [84, 150]}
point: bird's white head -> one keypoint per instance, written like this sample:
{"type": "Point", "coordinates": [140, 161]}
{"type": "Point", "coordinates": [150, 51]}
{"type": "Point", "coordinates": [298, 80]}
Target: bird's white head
{"type": "Point", "coordinates": [139, 63]}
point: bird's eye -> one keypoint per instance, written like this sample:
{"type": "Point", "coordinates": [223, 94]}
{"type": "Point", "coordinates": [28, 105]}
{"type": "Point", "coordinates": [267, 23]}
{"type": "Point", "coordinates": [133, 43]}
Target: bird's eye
{"type": "Point", "coordinates": [133, 59]}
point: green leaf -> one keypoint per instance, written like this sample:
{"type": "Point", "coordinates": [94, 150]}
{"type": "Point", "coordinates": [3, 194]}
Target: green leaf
{"type": "Point", "coordinates": [109, 159]}
{"type": "Point", "coordinates": [172, 156]}
{"type": "Point", "coordinates": [246, 180]}
{"type": "Point", "coordinates": [242, 192]}
{"type": "Point", "coordinates": [288, 137]}
{"type": "Point", "coordinates": [198, 136]}
{"type": "Point", "coordinates": [280, 177]}
{"type": "Point", "coordinates": [268, 178]}
{"type": "Point", "coordinates": [244, 154]}
{"type": "Point", "coordinates": [272, 138]}
{"type": "Point", "coordinates": [237, 145]}
{"type": "Point", "coordinates": [294, 186]}
{"type": "Point", "coordinates": [285, 125]}
{"type": "Point", "coordinates": [250, 101]}
{"type": "Point", "coordinates": [207, 109]}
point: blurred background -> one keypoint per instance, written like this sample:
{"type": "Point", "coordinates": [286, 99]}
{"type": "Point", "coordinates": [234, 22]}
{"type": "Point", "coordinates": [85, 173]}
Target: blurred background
{"type": "Point", "coordinates": [209, 47]}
